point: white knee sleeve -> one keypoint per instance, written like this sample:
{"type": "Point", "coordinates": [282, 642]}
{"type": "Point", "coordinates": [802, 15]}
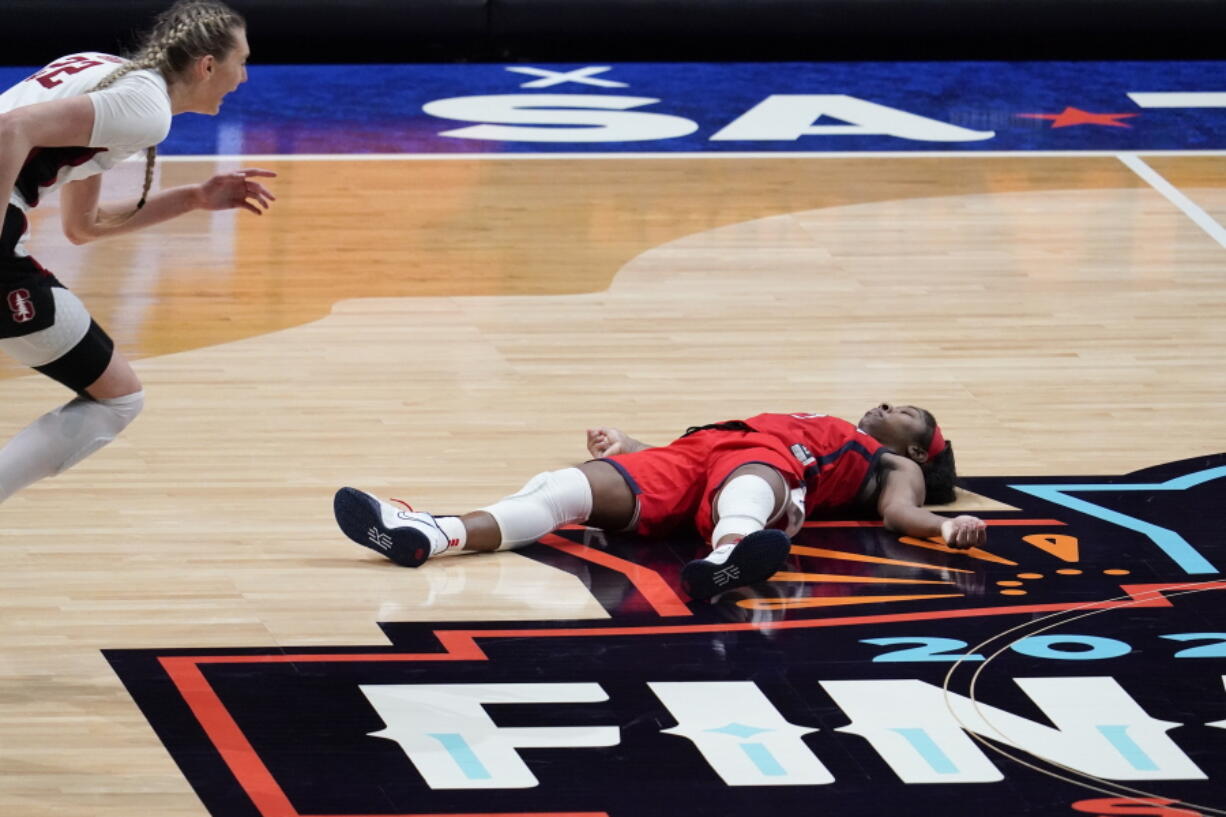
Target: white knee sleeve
{"type": "Point", "coordinates": [88, 425]}
{"type": "Point", "coordinates": [547, 502]}
{"type": "Point", "coordinates": [60, 439]}
{"type": "Point", "coordinates": [745, 505]}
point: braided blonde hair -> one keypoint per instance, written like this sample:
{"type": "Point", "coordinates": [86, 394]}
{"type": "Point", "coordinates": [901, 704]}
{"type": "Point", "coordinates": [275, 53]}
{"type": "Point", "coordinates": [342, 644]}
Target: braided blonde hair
{"type": "Point", "coordinates": [182, 34]}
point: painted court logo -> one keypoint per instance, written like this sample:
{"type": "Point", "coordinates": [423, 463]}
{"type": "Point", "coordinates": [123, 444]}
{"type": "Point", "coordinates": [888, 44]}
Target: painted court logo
{"type": "Point", "coordinates": [21, 306]}
{"type": "Point", "coordinates": [1076, 664]}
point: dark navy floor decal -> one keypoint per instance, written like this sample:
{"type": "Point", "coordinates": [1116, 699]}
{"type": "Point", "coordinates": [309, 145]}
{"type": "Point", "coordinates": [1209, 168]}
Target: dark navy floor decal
{"type": "Point", "coordinates": [1074, 665]}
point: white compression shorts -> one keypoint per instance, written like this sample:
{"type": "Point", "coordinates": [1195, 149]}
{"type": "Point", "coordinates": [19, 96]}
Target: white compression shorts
{"type": "Point", "coordinates": [50, 344]}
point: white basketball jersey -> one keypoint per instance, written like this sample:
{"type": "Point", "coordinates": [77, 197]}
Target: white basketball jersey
{"type": "Point", "coordinates": [129, 116]}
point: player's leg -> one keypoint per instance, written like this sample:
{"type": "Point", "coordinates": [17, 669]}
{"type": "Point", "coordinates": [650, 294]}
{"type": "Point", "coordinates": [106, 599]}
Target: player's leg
{"type": "Point", "coordinates": [745, 550]}
{"type": "Point", "coordinates": [117, 381]}
{"type": "Point", "coordinates": [593, 493]}
{"type": "Point", "coordinates": [750, 499]}
{"type": "Point", "coordinates": [76, 352]}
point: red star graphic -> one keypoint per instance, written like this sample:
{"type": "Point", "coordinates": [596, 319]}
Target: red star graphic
{"type": "Point", "coordinates": [1076, 116]}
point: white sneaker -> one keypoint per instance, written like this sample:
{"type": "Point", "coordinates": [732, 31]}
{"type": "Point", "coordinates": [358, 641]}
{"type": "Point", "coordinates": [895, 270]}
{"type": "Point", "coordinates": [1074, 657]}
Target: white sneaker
{"type": "Point", "coordinates": [406, 537]}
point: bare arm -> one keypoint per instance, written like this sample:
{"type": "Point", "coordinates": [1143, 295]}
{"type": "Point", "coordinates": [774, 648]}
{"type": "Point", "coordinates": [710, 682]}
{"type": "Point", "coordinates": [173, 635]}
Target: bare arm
{"type": "Point", "coordinates": [605, 441]}
{"type": "Point", "coordinates": [59, 123]}
{"type": "Point", "coordinates": [900, 505]}
{"type": "Point", "coordinates": [70, 122]}
{"type": "Point", "coordinates": [84, 219]}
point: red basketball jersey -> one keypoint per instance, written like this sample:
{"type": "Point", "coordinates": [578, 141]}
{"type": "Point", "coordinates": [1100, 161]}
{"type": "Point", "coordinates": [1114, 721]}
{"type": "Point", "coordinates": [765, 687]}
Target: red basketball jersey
{"type": "Point", "coordinates": [837, 458]}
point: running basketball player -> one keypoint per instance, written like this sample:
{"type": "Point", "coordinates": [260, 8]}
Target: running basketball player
{"type": "Point", "coordinates": [746, 485]}
{"type": "Point", "coordinates": [60, 129]}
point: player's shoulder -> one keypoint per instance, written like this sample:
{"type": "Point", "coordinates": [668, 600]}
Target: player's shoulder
{"type": "Point", "coordinates": [145, 87]}
{"type": "Point", "coordinates": [146, 80]}
{"type": "Point", "coordinates": [132, 112]}
{"type": "Point", "coordinates": [897, 463]}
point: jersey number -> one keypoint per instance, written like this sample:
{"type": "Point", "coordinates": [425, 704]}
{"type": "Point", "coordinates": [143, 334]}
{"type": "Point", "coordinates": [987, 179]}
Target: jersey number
{"type": "Point", "coordinates": [69, 65]}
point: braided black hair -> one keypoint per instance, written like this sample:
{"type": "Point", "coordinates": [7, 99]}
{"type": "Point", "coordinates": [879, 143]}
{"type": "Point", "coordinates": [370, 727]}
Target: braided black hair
{"type": "Point", "coordinates": [940, 471]}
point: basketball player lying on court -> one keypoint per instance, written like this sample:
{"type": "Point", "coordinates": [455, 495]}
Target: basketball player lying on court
{"type": "Point", "coordinates": [746, 485]}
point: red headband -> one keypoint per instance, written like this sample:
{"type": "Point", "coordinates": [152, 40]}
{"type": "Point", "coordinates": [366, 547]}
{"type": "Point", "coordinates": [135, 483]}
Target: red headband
{"type": "Point", "coordinates": [938, 442]}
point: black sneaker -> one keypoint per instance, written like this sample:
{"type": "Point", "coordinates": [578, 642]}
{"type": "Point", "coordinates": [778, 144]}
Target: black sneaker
{"type": "Point", "coordinates": [753, 559]}
{"type": "Point", "coordinates": [406, 537]}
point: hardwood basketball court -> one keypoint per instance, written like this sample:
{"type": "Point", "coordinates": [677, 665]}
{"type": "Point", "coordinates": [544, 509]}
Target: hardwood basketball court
{"type": "Point", "coordinates": [440, 329]}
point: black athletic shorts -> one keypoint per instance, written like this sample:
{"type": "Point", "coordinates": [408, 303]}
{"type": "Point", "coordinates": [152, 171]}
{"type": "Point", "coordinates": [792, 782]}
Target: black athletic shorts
{"type": "Point", "coordinates": [27, 305]}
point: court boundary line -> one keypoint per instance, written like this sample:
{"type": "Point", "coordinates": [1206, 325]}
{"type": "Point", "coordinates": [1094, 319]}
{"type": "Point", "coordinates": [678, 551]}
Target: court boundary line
{"type": "Point", "coordinates": [480, 156]}
{"type": "Point", "coordinates": [1175, 196]}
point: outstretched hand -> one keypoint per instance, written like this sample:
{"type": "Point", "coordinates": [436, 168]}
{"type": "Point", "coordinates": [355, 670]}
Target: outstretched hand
{"type": "Point", "coordinates": [605, 441]}
{"type": "Point", "coordinates": [964, 532]}
{"type": "Point", "coordinates": [237, 189]}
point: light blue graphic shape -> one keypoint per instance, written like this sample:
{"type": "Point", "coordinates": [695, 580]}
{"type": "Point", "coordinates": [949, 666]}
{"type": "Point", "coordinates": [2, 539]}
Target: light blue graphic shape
{"type": "Point", "coordinates": [463, 755]}
{"type": "Point", "coordinates": [739, 730]}
{"type": "Point", "coordinates": [923, 743]}
{"type": "Point", "coordinates": [763, 759]}
{"type": "Point", "coordinates": [1127, 747]}
{"type": "Point", "coordinates": [1168, 541]}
